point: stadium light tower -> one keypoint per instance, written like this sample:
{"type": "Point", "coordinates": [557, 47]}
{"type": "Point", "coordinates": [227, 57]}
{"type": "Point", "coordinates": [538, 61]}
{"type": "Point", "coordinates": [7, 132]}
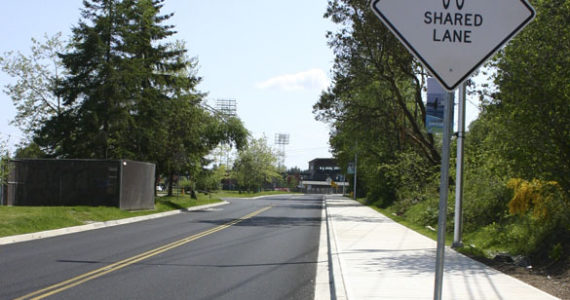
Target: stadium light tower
{"type": "Point", "coordinates": [227, 107]}
{"type": "Point", "coordinates": [281, 140]}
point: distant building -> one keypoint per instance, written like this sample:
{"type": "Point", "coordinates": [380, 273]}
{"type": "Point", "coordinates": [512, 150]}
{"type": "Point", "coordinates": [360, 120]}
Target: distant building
{"type": "Point", "coordinates": [321, 169]}
{"type": "Point", "coordinates": [324, 177]}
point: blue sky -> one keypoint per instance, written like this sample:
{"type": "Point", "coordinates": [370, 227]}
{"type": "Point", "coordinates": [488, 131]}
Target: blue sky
{"type": "Point", "coordinates": [270, 56]}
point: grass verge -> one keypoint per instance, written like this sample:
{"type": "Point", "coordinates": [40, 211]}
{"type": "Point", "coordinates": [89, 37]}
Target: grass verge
{"type": "Point", "coordinates": [476, 244]}
{"type": "Point", "coordinates": [27, 219]}
{"type": "Point", "coordinates": [390, 213]}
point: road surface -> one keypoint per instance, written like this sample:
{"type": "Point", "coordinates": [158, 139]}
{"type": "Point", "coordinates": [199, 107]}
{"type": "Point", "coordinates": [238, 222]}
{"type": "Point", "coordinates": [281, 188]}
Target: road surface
{"type": "Point", "coordinates": [250, 249]}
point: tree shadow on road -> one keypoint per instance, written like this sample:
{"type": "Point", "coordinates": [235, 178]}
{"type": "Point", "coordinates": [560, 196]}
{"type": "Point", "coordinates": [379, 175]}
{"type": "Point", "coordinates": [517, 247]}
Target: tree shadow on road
{"type": "Point", "coordinates": [266, 221]}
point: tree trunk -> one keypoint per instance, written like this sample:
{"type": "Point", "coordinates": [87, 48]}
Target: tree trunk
{"type": "Point", "coordinates": [170, 182]}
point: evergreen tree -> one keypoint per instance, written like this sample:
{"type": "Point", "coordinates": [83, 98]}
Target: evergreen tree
{"type": "Point", "coordinates": [161, 75]}
{"type": "Point", "coordinates": [94, 92]}
{"type": "Point", "coordinates": [131, 94]}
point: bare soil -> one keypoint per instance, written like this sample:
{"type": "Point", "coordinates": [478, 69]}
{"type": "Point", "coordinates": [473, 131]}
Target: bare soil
{"type": "Point", "coordinates": [553, 278]}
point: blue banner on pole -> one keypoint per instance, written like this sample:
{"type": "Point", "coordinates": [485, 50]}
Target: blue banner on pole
{"type": "Point", "coordinates": [435, 106]}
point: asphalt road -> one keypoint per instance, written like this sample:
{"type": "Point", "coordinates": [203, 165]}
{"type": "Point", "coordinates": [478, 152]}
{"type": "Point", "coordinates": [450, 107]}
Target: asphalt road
{"type": "Point", "coordinates": [250, 249]}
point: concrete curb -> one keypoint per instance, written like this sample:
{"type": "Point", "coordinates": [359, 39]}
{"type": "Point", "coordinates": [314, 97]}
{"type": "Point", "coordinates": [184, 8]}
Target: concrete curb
{"type": "Point", "coordinates": [68, 230]}
{"type": "Point", "coordinates": [323, 280]}
{"type": "Point", "coordinates": [338, 289]}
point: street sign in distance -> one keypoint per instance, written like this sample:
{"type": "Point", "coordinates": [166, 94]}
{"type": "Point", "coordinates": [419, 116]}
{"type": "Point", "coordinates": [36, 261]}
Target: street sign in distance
{"type": "Point", "coordinates": [350, 168]}
{"type": "Point", "coordinates": [435, 106]}
{"type": "Point", "coordinates": [452, 38]}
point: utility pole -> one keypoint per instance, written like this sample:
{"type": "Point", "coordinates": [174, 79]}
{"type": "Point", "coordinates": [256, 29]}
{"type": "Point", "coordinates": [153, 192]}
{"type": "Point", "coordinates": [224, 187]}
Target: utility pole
{"type": "Point", "coordinates": [458, 225]}
{"type": "Point", "coordinates": [355, 171]}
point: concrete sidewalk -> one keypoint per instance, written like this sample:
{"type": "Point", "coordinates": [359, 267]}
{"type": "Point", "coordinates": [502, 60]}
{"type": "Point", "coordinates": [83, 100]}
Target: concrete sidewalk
{"type": "Point", "coordinates": [373, 257]}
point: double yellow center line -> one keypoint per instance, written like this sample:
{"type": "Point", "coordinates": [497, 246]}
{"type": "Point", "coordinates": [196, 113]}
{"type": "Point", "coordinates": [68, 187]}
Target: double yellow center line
{"type": "Point", "coordinates": [75, 281]}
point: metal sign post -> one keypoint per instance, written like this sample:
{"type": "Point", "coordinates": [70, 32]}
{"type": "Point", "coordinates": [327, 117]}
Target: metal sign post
{"type": "Point", "coordinates": [458, 224]}
{"type": "Point", "coordinates": [440, 116]}
{"type": "Point", "coordinates": [443, 193]}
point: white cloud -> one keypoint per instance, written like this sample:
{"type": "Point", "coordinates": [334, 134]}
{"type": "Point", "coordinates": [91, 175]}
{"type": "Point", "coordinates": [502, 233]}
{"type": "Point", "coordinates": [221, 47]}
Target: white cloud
{"type": "Point", "coordinates": [314, 79]}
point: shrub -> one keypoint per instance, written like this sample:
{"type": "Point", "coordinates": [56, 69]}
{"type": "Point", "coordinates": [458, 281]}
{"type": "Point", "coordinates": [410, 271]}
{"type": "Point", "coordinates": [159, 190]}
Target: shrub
{"type": "Point", "coordinates": [485, 200]}
{"type": "Point", "coordinates": [424, 213]}
{"type": "Point", "coordinates": [540, 216]}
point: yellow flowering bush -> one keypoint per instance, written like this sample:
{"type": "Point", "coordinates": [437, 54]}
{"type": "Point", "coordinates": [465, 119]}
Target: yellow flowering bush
{"type": "Point", "coordinates": [542, 198]}
{"type": "Point", "coordinates": [542, 216]}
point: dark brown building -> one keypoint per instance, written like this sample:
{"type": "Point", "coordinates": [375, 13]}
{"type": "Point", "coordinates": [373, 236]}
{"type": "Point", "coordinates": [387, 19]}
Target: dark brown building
{"type": "Point", "coordinates": [321, 169]}
{"type": "Point", "coordinates": [324, 177]}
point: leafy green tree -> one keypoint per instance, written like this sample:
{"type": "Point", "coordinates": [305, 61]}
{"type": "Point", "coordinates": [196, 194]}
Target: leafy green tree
{"type": "Point", "coordinates": [211, 179]}
{"type": "Point", "coordinates": [486, 174]}
{"type": "Point", "coordinates": [221, 155]}
{"type": "Point", "coordinates": [192, 134]}
{"type": "Point", "coordinates": [293, 177]}
{"type": "Point", "coordinates": [35, 77]}
{"type": "Point", "coordinates": [256, 165]}
{"type": "Point", "coordinates": [517, 152]}
{"type": "Point", "coordinates": [29, 150]}
{"type": "Point", "coordinates": [370, 59]}
{"type": "Point", "coordinates": [375, 104]}
{"type": "Point", "coordinates": [532, 105]}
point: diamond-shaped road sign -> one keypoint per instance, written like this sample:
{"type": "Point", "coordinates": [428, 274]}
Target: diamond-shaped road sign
{"type": "Point", "coordinates": [452, 38]}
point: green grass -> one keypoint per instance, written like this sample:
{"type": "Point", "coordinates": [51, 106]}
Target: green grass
{"type": "Point", "coordinates": [478, 244]}
{"type": "Point", "coordinates": [27, 219]}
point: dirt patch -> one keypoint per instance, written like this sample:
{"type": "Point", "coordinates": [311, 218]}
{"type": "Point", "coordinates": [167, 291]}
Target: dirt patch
{"type": "Point", "coordinates": [553, 279]}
